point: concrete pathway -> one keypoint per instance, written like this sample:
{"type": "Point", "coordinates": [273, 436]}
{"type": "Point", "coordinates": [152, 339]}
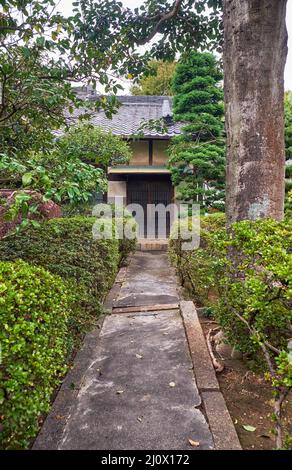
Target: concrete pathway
{"type": "Point", "coordinates": [136, 388]}
{"type": "Point", "coordinates": [149, 280]}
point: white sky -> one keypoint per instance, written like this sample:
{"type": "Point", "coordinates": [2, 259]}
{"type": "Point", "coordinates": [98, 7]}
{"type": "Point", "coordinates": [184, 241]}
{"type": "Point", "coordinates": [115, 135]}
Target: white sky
{"type": "Point", "coordinates": [66, 7]}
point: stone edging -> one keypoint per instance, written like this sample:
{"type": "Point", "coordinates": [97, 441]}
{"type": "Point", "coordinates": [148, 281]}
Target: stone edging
{"type": "Point", "coordinates": [217, 414]}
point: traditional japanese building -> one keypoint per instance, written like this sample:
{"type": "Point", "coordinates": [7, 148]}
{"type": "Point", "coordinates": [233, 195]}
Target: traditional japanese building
{"type": "Point", "coordinates": [146, 178]}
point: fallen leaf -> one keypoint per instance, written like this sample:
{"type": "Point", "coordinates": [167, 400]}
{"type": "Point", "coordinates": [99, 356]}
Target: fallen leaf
{"type": "Point", "coordinates": [194, 443]}
{"type": "Point", "coordinates": [249, 428]}
{"type": "Point", "coordinates": [172, 384]}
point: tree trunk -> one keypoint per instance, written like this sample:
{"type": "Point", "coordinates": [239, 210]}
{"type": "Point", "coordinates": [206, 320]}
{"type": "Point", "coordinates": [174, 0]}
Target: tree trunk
{"type": "Point", "coordinates": [255, 50]}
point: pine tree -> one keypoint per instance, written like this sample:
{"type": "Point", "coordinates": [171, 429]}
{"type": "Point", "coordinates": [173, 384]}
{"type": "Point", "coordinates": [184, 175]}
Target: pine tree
{"type": "Point", "coordinates": [197, 156]}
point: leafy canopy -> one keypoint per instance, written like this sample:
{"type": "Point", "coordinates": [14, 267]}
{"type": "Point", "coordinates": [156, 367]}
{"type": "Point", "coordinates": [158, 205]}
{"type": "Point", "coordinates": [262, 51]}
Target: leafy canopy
{"type": "Point", "coordinates": [157, 80]}
{"type": "Point", "coordinates": [42, 54]}
{"type": "Point", "coordinates": [94, 145]}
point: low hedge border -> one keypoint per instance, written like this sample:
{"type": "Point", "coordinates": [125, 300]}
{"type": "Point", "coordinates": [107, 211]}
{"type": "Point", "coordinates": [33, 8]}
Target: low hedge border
{"type": "Point", "coordinates": [34, 308]}
{"type": "Point", "coordinates": [245, 276]}
{"type": "Point", "coordinates": [46, 308]}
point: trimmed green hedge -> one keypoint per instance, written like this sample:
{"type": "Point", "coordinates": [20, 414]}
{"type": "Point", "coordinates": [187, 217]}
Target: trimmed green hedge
{"type": "Point", "coordinates": [247, 271]}
{"type": "Point", "coordinates": [257, 285]}
{"type": "Point", "coordinates": [34, 309]}
{"type": "Point", "coordinates": [46, 312]}
{"type": "Point", "coordinates": [66, 247]}
{"type": "Point", "coordinates": [198, 268]}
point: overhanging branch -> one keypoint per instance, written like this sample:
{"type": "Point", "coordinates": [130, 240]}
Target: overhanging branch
{"type": "Point", "coordinates": [160, 18]}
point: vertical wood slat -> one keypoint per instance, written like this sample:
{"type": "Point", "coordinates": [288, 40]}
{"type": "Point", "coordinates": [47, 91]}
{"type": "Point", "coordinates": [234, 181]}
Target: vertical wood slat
{"type": "Point", "coordinates": [145, 192]}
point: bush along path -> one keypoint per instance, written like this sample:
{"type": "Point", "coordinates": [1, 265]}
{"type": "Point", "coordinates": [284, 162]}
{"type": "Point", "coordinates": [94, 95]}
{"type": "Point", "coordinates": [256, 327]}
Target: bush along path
{"type": "Point", "coordinates": [145, 380]}
{"type": "Point", "coordinates": [53, 280]}
{"type": "Point", "coordinates": [249, 295]}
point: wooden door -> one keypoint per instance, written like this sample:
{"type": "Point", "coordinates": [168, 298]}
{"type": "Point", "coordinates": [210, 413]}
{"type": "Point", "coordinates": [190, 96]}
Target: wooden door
{"type": "Point", "coordinates": [150, 191]}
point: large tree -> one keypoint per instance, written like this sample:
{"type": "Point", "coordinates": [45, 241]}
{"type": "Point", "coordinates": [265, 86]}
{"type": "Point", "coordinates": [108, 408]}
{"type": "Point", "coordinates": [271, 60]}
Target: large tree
{"type": "Point", "coordinates": [255, 49]}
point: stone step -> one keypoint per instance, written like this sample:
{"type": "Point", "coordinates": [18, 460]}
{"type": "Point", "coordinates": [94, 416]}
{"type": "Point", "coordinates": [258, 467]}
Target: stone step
{"type": "Point", "coordinates": [148, 244]}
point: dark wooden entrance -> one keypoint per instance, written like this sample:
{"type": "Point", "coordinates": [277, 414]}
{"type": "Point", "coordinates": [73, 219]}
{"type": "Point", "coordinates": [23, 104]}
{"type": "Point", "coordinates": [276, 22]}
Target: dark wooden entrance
{"type": "Point", "coordinates": [152, 189]}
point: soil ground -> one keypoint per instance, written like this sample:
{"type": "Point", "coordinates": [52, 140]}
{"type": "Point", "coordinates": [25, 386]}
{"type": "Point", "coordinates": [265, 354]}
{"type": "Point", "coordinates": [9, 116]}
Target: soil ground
{"type": "Point", "coordinates": [249, 401]}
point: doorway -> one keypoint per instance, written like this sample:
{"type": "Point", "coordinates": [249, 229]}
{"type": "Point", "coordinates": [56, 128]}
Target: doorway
{"type": "Point", "coordinates": [154, 190]}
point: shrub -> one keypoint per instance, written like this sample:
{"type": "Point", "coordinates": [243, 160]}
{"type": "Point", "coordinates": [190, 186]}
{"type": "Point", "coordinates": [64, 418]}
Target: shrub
{"type": "Point", "coordinates": [127, 227]}
{"type": "Point", "coordinates": [198, 268]}
{"type": "Point", "coordinates": [66, 247]}
{"type": "Point", "coordinates": [94, 145]}
{"type": "Point", "coordinates": [257, 285]}
{"type": "Point", "coordinates": [34, 309]}
{"type": "Point", "coordinates": [250, 268]}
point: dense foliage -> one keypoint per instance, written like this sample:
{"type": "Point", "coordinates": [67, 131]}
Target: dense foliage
{"type": "Point", "coordinates": [38, 65]}
{"type": "Point", "coordinates": [197, 156]}
{"type": "Point", "coordinates": [157, 80]}
{"type": "Point", "coordinates": [198, 269]}
{"type": "Point", "coordinates": [245, 276]}
{"type": "Point", "coordinates": [35, 309]}
{"type": "Point", "coordinates": [66, 247]}
{"type": "Point", "coordinates": [45, 313]}
{"type": "Point", "coordinates": [95, 146]}
{"type": "Point", "coordinates": [57, 178]}
{"type": "Point", "coordinates": [181, 24]}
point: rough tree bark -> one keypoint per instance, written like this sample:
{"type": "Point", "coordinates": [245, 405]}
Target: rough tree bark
{"type": "Point", "coordinates": [255, 50]}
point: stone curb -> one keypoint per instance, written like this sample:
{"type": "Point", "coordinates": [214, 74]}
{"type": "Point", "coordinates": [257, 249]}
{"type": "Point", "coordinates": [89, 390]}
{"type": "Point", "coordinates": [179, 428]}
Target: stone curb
{"type": "Point", "coordinates": [220, 422]}
{"type": "Point", "coordinates": [205, 373]}
{"type": "Point", "coordinates": [114, 292]}
{"type": "Point", "coordinates": [219, 419]}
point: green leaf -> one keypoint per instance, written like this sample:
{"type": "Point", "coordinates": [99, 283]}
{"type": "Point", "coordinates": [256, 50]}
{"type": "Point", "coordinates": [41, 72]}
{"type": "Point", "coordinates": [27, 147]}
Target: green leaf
{"type": "Point", "coordinates": [27, 179]}
{"type": "Point", "coordinates": [249, 428]}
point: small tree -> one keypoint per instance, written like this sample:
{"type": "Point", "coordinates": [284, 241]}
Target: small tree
{"type": "Point", "coordinates": [95, 146]}
{"type": "Point", "coordinates": [197, 156]}
{"type": "Point", "coordinates": [157, 80]}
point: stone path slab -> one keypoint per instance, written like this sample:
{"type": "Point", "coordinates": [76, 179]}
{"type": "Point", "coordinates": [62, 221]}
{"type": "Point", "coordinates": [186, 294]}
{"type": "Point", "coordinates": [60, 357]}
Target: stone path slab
{"type": "Point", "coordinates": [149, 280]}
{"type": "Point", "coordinates": [127, 400]}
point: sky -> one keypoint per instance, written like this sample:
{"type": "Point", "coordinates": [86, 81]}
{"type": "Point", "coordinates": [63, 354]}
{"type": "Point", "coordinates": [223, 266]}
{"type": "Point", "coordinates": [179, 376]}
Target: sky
{"type": "Point", "coordinates": [66, 7]}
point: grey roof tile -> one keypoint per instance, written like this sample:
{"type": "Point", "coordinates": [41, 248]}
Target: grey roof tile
{"type": "Point", "coordinates": [134, 110]}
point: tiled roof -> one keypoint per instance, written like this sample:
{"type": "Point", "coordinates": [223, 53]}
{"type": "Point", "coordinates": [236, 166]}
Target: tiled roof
{"type": "Point", "coordinates": [134, 110]}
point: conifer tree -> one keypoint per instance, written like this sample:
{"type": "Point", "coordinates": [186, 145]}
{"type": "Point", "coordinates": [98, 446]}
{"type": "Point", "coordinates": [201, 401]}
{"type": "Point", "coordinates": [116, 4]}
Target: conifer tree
{"type": "Point", "coordinates": [197, 156]}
